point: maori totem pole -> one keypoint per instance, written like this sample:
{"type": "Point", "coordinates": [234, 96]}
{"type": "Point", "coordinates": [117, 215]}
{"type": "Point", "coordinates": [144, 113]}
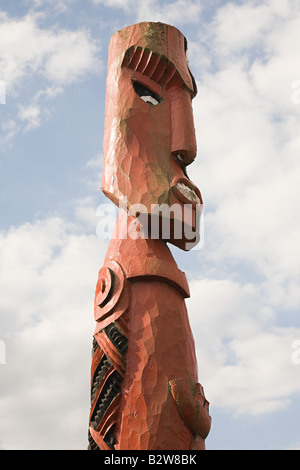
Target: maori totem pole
{"type": "Point", "coordinates": [145, 393]}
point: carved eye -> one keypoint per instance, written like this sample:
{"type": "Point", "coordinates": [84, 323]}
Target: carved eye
{"type": "Point", "coordinates": [147, 95]}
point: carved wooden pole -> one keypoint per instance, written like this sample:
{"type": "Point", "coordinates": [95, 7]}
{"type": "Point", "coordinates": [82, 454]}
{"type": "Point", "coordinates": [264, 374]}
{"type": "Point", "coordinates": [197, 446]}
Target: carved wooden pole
{"type": "Point", "coordinates": [145, 393]}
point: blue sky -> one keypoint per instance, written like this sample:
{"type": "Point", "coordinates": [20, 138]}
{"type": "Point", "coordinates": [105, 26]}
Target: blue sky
{"type": "Point", "coordinates": [245, 297]}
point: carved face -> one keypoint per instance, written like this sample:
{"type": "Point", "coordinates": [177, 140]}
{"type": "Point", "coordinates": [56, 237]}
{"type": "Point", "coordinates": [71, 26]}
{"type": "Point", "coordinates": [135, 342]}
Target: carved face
{"type": "Point", "coordinates": [149, 137]}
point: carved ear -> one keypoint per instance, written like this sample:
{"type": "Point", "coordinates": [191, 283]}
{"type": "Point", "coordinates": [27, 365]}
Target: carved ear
{"type": "Point", "coordinates": [112, 294]}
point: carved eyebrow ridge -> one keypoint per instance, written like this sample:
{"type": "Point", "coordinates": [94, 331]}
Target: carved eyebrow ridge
{"type": "Point", "coordinates": [156, 67]}
{"type": "Point", "coordinates": [153, 65]}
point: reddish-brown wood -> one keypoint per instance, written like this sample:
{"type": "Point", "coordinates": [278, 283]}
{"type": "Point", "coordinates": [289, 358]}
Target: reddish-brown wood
{"type": "Point", "coordinates": [145, 393]}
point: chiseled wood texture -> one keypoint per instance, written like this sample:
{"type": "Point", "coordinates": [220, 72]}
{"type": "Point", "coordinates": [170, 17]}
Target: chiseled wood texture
{"type": "Point", "coordinates": [161, 349]}
{"type": "Point", "coordinates": [145, 393]}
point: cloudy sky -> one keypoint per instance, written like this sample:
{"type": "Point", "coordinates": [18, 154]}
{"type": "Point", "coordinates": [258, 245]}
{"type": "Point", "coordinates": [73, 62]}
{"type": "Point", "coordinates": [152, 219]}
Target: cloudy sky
{"type": "Point", "coordinates": [245, 296]}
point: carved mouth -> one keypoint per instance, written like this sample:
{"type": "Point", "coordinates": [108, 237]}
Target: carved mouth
{"type": "Point", "coordinates": [187, 193]}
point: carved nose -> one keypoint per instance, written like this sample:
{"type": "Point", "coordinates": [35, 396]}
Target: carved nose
{"type": "Point", "coordinates": [183, 130]}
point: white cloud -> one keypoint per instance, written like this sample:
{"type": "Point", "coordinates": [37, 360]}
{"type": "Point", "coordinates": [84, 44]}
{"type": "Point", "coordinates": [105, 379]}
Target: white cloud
{"type": "Point", "coordinates": [176, 12]}
{"type": "Point", "coordinates": [247, 168]}
{"type": "Point", "coordinates": [31, 115]}
{"type": "Point", "coordinates": [61, 56]}
{"type": "Point", "coordinates": [245, 361]}
{"type": "Point", "coordinates": [9, 128]}
{"type": "Point", "coordinates": [125, 4]}
{"type": "Point", "coordinates": [73, 54]}
{"type": "Point", "coordinates": [57, 57]}
{"type": "Point", "coordinates": [49, 93]}
{"type": "Point", "coordinates": [85, 212]}
{"type": "Point", "coordinates": [248, 143]}
{"type": "Point", "coordinates": [238, 27]}
{"type": "Point", "coordinates": [48, 274]}
{"type": "Point", "coordinates": [59, 6]}
{"type": "Point", "coordinates": [294, 446]}
{"type": "Point", "coordinates": [274, 77]}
